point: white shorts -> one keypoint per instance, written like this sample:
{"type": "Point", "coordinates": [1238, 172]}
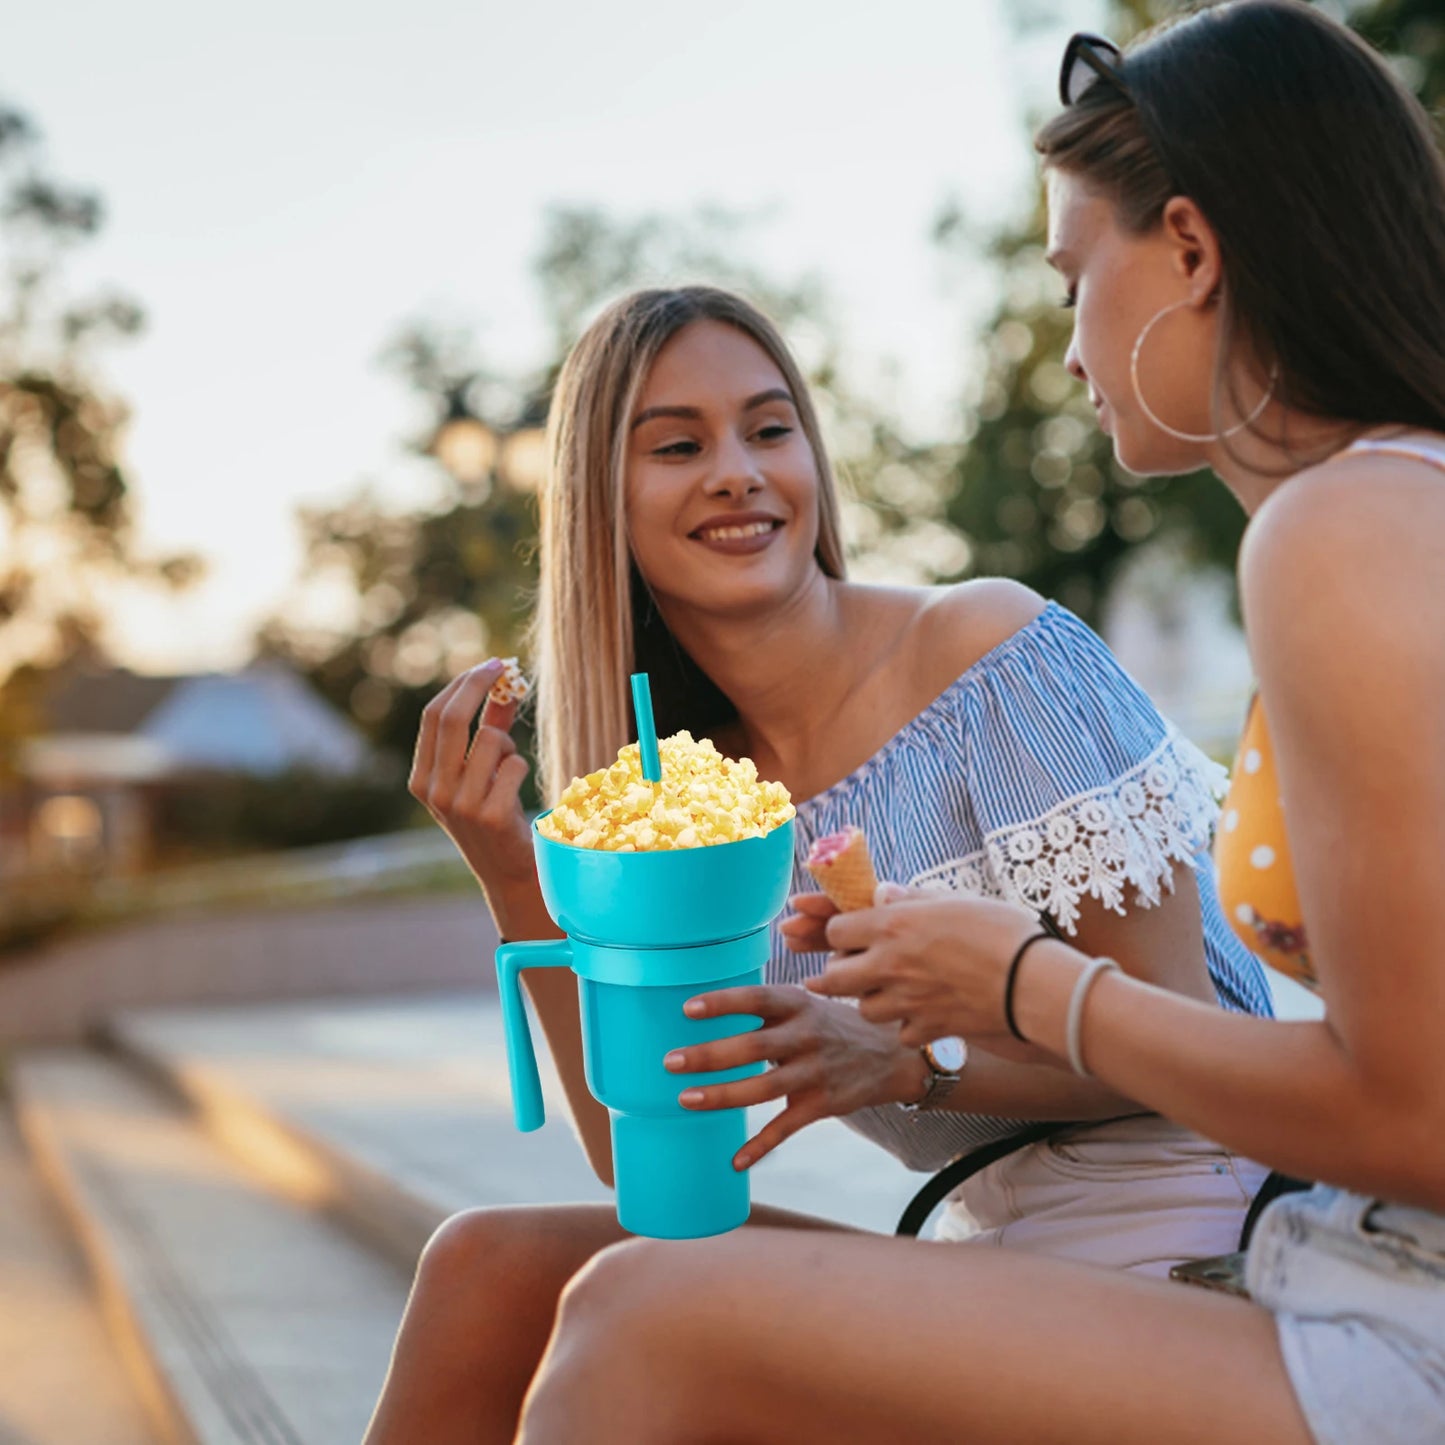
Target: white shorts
{"type": "Point", "coordinates": [1358, 1289]}
{"type": "Point", "coordinates": [1137, 1194]}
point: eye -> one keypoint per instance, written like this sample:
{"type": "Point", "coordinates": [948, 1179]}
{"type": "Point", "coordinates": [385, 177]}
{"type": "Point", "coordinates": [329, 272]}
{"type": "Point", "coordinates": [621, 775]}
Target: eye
{"type": "Point", "coordinates": [677, 449]}
{"type": "Point", "coordinates": [774, 431]}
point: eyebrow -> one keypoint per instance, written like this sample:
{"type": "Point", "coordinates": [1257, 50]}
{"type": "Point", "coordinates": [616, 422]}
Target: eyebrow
{"type": "Point", "coordinates": [692, 413]}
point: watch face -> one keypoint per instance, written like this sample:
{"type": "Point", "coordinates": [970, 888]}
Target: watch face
{"type": "Point", "coordinates": [948, 1055]}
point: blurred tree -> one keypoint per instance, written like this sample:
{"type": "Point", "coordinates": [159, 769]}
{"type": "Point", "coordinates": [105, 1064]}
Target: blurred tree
{"type": "Point", "coordinates": [66, 530]}
{"type": "Point", "coordinates": [1037, 491]}
{"type": "Point", "coordinates": [432, 591]}
{"type": "Point", "coordinates": [1413, 32]}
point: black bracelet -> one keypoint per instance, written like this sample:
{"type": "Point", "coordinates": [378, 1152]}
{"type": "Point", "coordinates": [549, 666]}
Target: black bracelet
{"type": "Point", "coordinates": [1013, 974]}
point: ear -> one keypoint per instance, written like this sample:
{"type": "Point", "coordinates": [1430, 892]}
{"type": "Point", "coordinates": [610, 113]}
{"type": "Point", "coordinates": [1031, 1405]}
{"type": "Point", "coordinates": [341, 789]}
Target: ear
{"type": "Point", "coordinates": [1195, 248]}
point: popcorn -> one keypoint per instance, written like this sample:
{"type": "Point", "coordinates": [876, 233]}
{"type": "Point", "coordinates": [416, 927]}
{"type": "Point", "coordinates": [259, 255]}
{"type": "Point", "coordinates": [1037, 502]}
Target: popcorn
{"type": "Point", "coordinates": [703, 799]}
{"type": "Point", "coordinates": [512, 685]}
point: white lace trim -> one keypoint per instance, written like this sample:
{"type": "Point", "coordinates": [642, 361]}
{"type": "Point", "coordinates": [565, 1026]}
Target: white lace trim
{"type": "Point", "coordinates": [1130, 831]}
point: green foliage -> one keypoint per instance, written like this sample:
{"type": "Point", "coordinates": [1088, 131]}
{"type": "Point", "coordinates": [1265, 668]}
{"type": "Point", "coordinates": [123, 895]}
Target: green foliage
{"type": "Point", "coordinates": [296, 809]}
{"type": "Point", "coordinates": [1412, 31]}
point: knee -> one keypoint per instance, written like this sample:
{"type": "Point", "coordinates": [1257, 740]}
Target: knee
{"type": "Point", "coordinates": [600, 1373]}
{"type": "Point", "coordinates": [482, 1246]}
{"type": "Point", "coordinates": [620, 1293]}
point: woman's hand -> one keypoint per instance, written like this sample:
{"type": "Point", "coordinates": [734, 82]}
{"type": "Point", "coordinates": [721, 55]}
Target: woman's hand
{"type": "Point", "coordinates": [805, 929]}
{"type": "Point", "coordinates": [827, 1061]}
{"type": "Point", "coordinates": [470, 784]}
{"type": "Point", "coordinates": [932, 965]}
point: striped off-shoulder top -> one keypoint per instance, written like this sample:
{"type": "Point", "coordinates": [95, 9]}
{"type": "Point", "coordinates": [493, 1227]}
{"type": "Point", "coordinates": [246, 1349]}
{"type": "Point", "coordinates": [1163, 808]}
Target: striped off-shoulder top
{"type": "Point", "coordinates": [1042, 775]}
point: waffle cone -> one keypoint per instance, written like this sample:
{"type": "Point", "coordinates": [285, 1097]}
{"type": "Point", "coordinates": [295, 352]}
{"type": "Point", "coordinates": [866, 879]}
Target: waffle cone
{"type": "Point", "coordinates": [849, 880]}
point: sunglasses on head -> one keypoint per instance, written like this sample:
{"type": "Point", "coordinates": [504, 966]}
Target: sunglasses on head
{"type": "Point", "coordinates": [1087, 60]}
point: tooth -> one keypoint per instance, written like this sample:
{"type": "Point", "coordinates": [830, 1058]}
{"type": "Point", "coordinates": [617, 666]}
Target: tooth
{"type": "Point", "coordinates": [752, 529]}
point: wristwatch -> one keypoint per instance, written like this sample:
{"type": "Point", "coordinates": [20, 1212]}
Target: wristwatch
{"type": "Point", "coordinates": [945, 1059]}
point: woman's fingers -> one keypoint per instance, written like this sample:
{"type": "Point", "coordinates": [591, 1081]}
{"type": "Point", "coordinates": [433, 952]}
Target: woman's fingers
{"type": "Point", "coordinates": [499, 715]}
{"type": "Point", "coordinates": [744, 1093]}
{"type": "Point", "coordinates": [803, 931]}
{"type": "Point", "coordinates": [847, 976]}
{"type": "Point", "coordinates": [455, 718]}
{"type": "Point", "coordinates": [489, 749]}
{"type": "Point", "coordinates": [804, 935]}
{"type": "Point", "coordinates": [848, 932]}
{"type": "Point", "coordinates": [883, 1006]}
{"type": "Point", "coordinates": [754, 1046]}
{"type": "Point", "coordinates": [766, 1000]}
{"type": "Point", "coordinates": [504, 799]}
{"type": "Point", "coordinates": [441, 744]}
{"type": "Point", "coordinates": [815, 905]}
{"type": "Point", "coordinates": [457, 704]}
{"type": "Point", "coordinates": [426, 737]}
{"type": "Point", "coordinates": [807, 1110]}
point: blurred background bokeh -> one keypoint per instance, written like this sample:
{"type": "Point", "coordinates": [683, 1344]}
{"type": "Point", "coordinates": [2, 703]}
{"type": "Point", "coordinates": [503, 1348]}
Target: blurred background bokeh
{"type": "Point", "coordinates": [283, 292]}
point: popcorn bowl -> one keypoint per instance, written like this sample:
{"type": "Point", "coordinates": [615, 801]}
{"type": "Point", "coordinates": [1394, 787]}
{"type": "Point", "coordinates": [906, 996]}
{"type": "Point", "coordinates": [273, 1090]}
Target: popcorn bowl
{"type": "Point", "coordinates": [646, 931]}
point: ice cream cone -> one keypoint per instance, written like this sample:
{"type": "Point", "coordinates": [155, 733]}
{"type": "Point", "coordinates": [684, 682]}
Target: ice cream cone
{"type": "Point", "coordinates": [844, 870]}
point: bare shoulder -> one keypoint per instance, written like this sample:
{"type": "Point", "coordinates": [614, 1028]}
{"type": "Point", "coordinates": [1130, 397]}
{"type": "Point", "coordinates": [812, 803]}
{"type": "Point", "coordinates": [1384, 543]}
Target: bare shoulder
{"type": "Point", "coordinates": [1366, 526]}
{"type": "Point", "coordinates": [959, 624]}
{"type": "Point", "coordinates": [1340, 581]}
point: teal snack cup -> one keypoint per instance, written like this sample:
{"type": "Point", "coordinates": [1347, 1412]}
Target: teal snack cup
{"type": "Point", "coordinates": [645, 933]}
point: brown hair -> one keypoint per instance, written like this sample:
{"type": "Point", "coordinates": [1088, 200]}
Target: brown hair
{"type": "Point", "coordinates": [595, 622]}
{"type": "Point", "coordinates": [1322, 177]}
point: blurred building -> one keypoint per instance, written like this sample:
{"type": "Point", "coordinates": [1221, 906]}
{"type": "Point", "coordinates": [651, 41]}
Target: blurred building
{"type": "Point", "coordinates": [115, 741]}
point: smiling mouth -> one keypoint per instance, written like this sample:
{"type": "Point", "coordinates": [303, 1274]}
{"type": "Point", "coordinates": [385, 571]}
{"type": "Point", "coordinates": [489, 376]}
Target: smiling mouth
{"type": "Point", "coordinates": [736, 532]}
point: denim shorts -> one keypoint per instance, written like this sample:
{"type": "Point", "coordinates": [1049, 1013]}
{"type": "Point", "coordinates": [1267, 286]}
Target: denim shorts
{"type": "Point", "coordinates": [1358, 1289]}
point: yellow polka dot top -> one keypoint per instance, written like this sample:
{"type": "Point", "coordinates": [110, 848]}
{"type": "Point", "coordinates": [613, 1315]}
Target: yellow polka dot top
{"type": "Point", "coordinates": [1251, 855]}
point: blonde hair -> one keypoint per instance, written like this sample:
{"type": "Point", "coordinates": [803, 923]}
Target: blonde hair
{"type": "Point", "coordinates": [593, 607]}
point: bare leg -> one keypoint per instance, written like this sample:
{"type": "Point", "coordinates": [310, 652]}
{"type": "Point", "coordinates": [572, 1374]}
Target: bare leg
{"type": "Point", "coordinates": [481, 1310]}
{"type": "Point", "coordinates": [762, 1339]}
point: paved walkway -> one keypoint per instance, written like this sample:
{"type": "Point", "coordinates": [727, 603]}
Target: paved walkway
{"type": "Point", "coordinates": [417, 1088]}
{"type": "Point", "coordinates": [61, 1379]}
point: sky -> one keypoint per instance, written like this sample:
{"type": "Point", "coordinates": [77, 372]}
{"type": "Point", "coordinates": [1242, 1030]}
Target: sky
{"type": "Point", "coordinates": [287, 184]}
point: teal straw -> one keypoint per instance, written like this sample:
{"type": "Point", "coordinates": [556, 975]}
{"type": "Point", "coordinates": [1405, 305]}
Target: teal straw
{"type": "Point", "coordinates": [646, 728]}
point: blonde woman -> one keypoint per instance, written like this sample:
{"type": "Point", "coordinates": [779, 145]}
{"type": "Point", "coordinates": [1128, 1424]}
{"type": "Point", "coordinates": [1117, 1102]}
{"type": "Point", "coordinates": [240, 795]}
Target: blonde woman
{"type": "Point", "coordinates": [987, 742]}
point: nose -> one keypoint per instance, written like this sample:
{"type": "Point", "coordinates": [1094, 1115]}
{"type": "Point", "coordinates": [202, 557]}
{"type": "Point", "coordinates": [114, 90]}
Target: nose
{"type": "Point", "coordinates": [1072, 364]}
{"type": "Point", "coordinates": [736, 473]}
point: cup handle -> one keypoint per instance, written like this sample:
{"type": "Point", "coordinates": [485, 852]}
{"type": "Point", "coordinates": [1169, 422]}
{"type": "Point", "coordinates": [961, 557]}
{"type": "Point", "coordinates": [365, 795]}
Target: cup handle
{"type": "Point", "coordinates": [512, 958]}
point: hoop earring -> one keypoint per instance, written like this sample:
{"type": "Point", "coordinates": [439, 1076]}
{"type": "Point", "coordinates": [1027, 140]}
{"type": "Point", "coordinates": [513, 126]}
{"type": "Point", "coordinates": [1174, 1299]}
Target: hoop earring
{"type": "Point", "coordinates": [1164, 426]}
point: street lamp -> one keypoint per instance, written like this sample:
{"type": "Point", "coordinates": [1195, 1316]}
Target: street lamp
{"type": "Point", "coordinates": [475, 453]}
